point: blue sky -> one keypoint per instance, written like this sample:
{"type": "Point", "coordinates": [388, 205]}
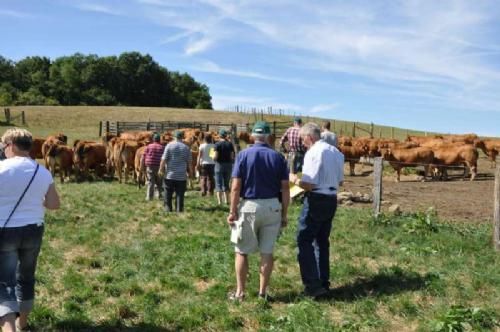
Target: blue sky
{"type": "Point", "coordinates": [428, 65]}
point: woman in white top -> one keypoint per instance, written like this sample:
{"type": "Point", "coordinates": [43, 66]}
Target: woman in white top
{"type": "Point", "coordinates": [26, 190]}
{"type": "Point", "coordinates": [206, 165]}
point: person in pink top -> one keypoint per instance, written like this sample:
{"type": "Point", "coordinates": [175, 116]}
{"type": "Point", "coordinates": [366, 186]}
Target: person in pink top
{"type": "Point", "coordinates": [152, 160]}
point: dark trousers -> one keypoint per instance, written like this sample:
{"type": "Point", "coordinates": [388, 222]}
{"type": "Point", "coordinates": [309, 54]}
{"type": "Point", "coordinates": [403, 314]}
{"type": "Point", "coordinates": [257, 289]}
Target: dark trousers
{"type": "Point", "coordinates": [19, 249]}
{"type": "Point", "coordinates": [207, 182]}
{"type": "Point", "coordinates": [179, 187]}
{"type": "Point", "coordinates": [315, 225]}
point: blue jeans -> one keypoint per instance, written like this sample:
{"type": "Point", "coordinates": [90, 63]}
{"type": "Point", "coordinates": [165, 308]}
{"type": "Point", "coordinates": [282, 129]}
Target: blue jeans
{"type": "Point", "coordinates": [19, 249]}
{"type": "Point", "coordinates": [222, 176]}
{"type": "Point", "coordinates": [179, 187]}
{"type": "Point", "coordinates": [315, 225]}
{"type": "Point", "coordinates": [295, 162]}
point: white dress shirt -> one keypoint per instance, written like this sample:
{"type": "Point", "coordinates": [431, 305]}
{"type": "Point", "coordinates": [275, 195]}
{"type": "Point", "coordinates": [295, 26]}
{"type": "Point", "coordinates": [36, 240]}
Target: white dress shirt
{"type": "Point", "coordinates": [323, 167]}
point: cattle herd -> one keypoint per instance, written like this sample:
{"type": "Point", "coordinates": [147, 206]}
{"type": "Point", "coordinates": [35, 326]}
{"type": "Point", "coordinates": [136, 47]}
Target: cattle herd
{"type": "Point", "coordinates": [435, 153]}
{"type": "Point", "coordinates": [121, 155]}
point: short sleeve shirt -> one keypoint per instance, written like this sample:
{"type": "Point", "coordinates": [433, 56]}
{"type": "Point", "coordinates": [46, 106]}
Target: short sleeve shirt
{"type": "Point", "coordinates": [224, 150]}
{"type": "Point", "coordinates": [177, 156]}
{"type": "Point", "coordinates": [323, 167]}
{"type": "Point", "coordinates": [15, 174]}
{"type": "Point", "coordinates": [205, 149]}
{"type": "Point", "coordinates": [261, 170]}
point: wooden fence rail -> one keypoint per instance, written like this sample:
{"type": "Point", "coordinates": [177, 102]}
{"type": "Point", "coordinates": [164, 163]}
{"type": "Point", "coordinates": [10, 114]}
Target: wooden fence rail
{"type": "Point", "coordinates": [9, 118]}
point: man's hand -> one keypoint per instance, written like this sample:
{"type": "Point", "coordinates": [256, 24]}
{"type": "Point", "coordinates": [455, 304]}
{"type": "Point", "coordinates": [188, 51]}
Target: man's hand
{"type": "Point", "coordinates": [292, 177]}
{"type": "Point", "coordinates": [231, 218]}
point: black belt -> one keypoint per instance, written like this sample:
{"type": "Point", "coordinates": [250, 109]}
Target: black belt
{"type": "Point", "coordinates": [329, 188]}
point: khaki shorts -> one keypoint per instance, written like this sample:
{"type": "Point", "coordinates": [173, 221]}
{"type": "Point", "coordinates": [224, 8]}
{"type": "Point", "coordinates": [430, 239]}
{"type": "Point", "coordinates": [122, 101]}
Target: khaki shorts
{"type": "Point", "coordinates": [258, 226]}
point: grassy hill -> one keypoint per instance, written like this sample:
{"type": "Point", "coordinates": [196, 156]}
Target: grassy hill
{"type": "Point", "coordinates": [83, 121]}
{"type": "Point", "coordinates": [112, 262]}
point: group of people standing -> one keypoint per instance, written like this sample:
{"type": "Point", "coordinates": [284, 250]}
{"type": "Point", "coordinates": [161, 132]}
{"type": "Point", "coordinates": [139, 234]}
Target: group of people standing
{"type": "Point", "coordinates": [260, 196]}
{"type": "Point", "coordinates": [168, 167]}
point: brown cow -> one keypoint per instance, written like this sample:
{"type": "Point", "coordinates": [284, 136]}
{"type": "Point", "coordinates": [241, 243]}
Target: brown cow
{"type": "Point", "coordinates": [62, 156]}
{"type": "Point", "coordinates": [137, 135]}
{"type": "Point", "coordinates": [491, 148]}
{"type": "Point", "coordinates": [399, 158]}
{"type": "Point", "coordinates": [352, 154]}
{"type": "Point", "coordinates": [465, 138]}
{"type": "Point", "coordinates": [139, 167]}
{"type": "Point", "coordinates": [453, 155]}
{"type": "Point", "coordinates": [59, 139]}
{"type": "Point", "coordinates": [36, 148]}
{"type": "Point", "coordinates": [422, 139]}
{"type": "Point", "coordinates": [89, 155]}
{"type": "Point", "coordinates": [124, 157]}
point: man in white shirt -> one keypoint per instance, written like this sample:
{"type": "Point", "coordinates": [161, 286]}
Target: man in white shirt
{"type": "Point", "coordinates": [322, 174]}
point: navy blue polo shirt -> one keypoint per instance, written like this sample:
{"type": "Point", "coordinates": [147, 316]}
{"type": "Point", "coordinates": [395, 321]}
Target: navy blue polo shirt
{"type": "Point", "coordinates": [261, 170]}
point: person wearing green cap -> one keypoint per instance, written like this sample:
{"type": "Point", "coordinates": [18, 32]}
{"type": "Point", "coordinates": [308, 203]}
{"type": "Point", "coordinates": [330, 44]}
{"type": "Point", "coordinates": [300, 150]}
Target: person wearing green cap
{"type": "Point", "coordinates": [151, 161]}
{"type": "Point", "coordinates": [260, 178]}
{"type": "Point", "coordinates": [295, 149]}
{"type": "Point", "coordinates": [224, 157]}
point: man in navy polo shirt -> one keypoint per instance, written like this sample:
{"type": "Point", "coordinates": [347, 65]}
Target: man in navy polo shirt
{"type": "Point", "coordinates": [260, 176]}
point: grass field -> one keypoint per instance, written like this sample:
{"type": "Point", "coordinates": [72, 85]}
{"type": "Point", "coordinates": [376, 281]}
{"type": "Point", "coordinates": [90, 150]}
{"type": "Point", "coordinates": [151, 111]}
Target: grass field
{"type": "Point", "coordinates": [83, 121]}
{"type": "Point", "coordinates": [112, 262]}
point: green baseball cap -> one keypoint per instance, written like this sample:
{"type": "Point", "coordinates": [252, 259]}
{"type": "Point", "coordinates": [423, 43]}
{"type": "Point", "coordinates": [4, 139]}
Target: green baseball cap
{"type": "Point", "coordinates": [261, 127]}
{"type": "Point", "coordinates": [297, 119]}
{"type": "Point", "coordinates": [156, 137]}
{"type": "Point", "coordinates": [223, 132]}
{"type": "Point", "coordinates": [179, 134]}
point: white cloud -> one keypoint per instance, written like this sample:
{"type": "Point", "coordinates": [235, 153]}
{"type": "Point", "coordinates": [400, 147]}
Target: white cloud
{"type": "Point", "coordinates": [322, 108]}
{"type": "Point", "coordinates": [14, 13]}
{"type": "Point", "coordinates": [98, 8]}
{"type": "Point", "coordinates": [211, 67]}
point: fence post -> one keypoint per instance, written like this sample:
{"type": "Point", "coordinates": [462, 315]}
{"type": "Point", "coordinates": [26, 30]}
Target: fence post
{"type": "Point", "coordinates": [377, 185]}
{"type": "Point", "coordinates": [371, 130]}
{"type": "Point", "coordinates": [496, 211]}
{"type": "Point", "coordinates": [334, 126]}
{"type": "Point", "coordinates": [392, 132]}
{"type": "Point", "coordinates": [274, 128]}
{"type": "Point", "coordinates": [354, 129]}
{"type": "Point", "coordinates": [107, 127]}
{"type": "Point", "coordinates": [23, 118]}
{"type": "Point", "coordinates": [100, 128]}
{"type": "Point", "coordinates": [7, 115]}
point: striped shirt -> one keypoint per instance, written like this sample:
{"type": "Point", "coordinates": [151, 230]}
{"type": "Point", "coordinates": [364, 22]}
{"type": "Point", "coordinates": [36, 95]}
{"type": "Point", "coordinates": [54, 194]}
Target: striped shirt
{"type": "Point", "coordinates": [294, 140]}
{"type": "Point", "coordinates": [152, 154]}
{"type": "Point", "coordinates": [177, 156]}
{"type": "Point", "coordinates": [323, 167]}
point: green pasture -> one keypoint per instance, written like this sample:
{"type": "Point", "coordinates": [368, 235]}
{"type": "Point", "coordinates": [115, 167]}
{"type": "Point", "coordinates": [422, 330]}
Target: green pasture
{"type": "Point", "coordinates": [82, 122]}
{"type": "Point", "coordinates": [113, 262]}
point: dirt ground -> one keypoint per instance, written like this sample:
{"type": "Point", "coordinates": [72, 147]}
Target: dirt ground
{"type": "Point", "coordinates": [454, 200]}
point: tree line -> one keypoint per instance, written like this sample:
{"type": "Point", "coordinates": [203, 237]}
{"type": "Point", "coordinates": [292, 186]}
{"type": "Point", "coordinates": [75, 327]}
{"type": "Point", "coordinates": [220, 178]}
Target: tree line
{"type": "Point", "coordinates": [131, 79]}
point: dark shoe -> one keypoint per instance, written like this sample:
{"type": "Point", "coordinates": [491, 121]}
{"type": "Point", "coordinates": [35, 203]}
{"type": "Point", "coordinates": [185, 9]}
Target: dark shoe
{"type": "Point", "coordinates": [316, 293]}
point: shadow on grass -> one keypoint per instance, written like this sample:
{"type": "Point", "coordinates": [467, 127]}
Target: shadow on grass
{"type": "Point", "coordinates": [387, 282]}
{"type": "Point", "coordinates": [214, 208]}
{"type": "Point", "coordinates": [82, 326]}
